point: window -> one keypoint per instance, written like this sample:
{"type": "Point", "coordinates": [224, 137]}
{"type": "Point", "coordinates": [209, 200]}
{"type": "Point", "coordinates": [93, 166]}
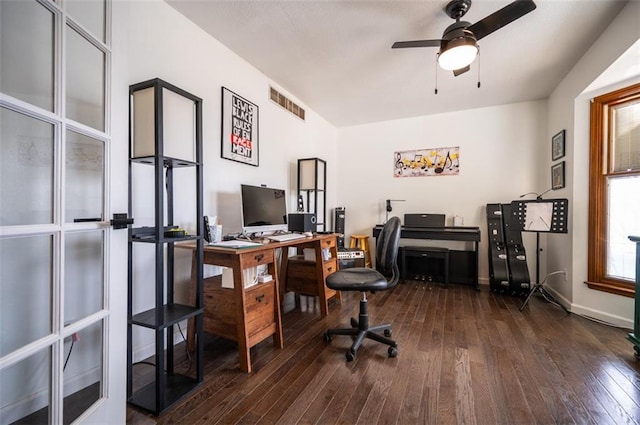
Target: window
{"type": "Point", "coordinates": [614, 185]}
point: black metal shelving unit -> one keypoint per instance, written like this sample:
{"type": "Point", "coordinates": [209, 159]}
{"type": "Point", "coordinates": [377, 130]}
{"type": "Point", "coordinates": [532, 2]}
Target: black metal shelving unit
{"type": "Point", "coordinates": [167, 386]}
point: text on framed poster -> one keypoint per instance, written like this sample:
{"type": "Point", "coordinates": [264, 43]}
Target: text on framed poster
{"type": "Point", "coordinates": [239, 128]}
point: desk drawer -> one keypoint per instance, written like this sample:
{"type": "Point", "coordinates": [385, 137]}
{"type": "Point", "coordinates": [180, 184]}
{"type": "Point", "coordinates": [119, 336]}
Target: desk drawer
{"type": "Point", "coordinates": [221, 313]}
{"type": "Point", "coordinates": [330, 267]}
{"type": "Point", "coordinates": [219, 309]}
{"type": "Point", "coordinates": [328, 243]}
{"type": "Point", "coordinates": [252, 259]}
{"type": "Point", "coordinates": [260, 311]}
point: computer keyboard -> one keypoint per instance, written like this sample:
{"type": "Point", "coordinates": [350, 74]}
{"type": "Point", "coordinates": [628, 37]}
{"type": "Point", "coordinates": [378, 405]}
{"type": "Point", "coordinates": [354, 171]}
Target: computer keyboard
{"type": "Point", "coordinates": [286, 237]}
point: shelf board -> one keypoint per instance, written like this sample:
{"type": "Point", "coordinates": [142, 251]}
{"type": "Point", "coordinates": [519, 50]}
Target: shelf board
{"type": "Point", "coordinates": [154, 239]}
{"type": "Point", "coordinates": [173, 313]}
{"type": "Point", "coordinates": [177, 387]}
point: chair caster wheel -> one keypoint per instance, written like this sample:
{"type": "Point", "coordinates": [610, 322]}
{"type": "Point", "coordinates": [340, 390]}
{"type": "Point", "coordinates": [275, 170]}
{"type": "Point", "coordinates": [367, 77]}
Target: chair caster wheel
{"type": "Point", "coordinates": [387, 333]}
{"type": "Point", "coordinates": [354, 323]}
{"type": "Point", "coordinates": [326, 337]}
{"type": "Point", "coordinates": [393, 351]}
{"type": "Point", "coordinates": [350, 355]}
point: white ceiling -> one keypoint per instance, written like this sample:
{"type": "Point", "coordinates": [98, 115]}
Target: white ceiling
{"type": "Point", "coordinates": [335, 57]}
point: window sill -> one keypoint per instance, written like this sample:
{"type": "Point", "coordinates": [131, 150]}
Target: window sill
{"type": "Point", "coordinates": [624, 290]}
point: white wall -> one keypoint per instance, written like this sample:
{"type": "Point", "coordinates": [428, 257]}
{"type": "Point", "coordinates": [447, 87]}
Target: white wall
{"type": "Point", "coordinates": [500, 154]}
{"type": "Point", "coordinates": [569, 109]}
{"type": "Point", "coordinates": [164, 44]}
{"type": "Point", "coordinates": [504, 149]}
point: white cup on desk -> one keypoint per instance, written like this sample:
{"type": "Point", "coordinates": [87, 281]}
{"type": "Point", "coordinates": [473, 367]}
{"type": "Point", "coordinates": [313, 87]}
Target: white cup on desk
{"type": "Point", "coordinates": [215, 233]}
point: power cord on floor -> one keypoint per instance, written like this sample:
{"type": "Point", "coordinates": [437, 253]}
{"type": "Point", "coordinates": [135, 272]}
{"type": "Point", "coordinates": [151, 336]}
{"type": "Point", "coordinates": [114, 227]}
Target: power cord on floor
{"type": "Point", "coordinates": [186, 348]}
{"type": "Point", "coordinates": [593, 319]}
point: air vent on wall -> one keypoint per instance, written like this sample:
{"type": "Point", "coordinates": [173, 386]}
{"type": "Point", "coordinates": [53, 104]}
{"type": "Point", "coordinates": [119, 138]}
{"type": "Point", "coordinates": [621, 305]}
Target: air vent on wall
{"type": "Point", "coordinates": [286, 103]}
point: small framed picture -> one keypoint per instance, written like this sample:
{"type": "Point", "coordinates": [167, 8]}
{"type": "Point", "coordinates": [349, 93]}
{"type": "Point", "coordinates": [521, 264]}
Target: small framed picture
{"type": "Point", "coordinates": [557, 176]}
{"type": "Point", "coordinates": [557, 146]}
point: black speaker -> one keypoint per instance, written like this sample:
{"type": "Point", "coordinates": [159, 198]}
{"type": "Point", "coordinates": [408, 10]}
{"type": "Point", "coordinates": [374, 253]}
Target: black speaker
{"type": "Point", "coordinates": [302, 222]}
{"type": "Point", "coordinates": [338, 224]}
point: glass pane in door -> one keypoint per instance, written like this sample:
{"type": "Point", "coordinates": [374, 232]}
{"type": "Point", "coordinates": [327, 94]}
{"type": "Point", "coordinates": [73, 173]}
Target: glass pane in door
{"type": "Point", "coordinates": [84, 183]}
{"type": "Point", "coordinates": [82, 371]}
{"type": "Point", "coordinates": [26, 52]}
{"type": "Point", "coordinates": [85, 81]}
{"type": "Point", "coordinates": [90, 14]}
{"type": "Point", "coordinates": [84, 274]}
{"type": "Point", "coordinates": [25, 390]}
{"type": "Point", "coordinates": [26, 282]}
{"type": "Point", "coordinates": [26, 169]}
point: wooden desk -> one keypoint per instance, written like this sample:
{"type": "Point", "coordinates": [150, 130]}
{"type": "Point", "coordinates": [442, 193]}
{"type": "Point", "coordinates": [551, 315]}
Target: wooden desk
{"type": "Point", "coordinates": [251, 314]}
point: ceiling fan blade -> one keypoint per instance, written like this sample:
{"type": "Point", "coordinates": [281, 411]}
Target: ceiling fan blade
{"type": "Point", "coordinates": [457, 72]}
{"type": "Point", "coordinates": [502, 17]}
{"type": "Point", "coordinates": [416, 43]}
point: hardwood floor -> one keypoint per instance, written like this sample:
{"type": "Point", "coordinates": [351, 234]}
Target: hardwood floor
{"type": "Point", "coordinates": [465, 357]}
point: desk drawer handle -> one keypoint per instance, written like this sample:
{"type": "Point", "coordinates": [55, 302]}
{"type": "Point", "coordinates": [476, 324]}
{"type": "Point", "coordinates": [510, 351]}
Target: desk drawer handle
{"type": "Point", "coordinates": [259, 298]}
{"type": "Point", "coordinates": [330, 268]}
{"type": "Point", "coordinates": [259, 257]}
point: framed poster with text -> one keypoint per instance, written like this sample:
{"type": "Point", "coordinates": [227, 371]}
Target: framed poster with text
{"type": "Point", "coordinates": [239, 129]}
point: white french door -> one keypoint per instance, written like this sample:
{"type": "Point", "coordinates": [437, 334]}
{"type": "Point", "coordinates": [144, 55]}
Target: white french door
{"type": "Point", "coordinates": [57, 333]}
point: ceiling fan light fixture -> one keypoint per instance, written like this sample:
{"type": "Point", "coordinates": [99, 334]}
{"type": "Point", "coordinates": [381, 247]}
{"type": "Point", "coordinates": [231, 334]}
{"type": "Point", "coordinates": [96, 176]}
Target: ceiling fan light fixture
{"type": "Point", "coordinates": [458, 53]}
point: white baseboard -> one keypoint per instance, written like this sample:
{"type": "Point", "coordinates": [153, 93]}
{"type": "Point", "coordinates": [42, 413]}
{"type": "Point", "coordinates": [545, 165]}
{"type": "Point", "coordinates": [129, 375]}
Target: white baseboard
{"type": "Point", "coordinates": [483, 281]}
{"type": "Point", "coordinates": [145, 351]}
{"type": "Point", "coordinates": [33, 402]}
{"type": "Point", "coordinates": [606, 318]}
{"type": "Point", "coordinates": [589, 313]}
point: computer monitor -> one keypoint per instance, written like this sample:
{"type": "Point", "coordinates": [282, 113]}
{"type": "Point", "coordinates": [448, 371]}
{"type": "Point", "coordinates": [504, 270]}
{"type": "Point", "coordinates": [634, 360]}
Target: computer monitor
{"type": "Point", "coordinates": [264, 209]}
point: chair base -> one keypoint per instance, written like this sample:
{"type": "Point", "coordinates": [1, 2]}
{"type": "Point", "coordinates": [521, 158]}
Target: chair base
{"type": "Point", "coordinates": [361, 330]}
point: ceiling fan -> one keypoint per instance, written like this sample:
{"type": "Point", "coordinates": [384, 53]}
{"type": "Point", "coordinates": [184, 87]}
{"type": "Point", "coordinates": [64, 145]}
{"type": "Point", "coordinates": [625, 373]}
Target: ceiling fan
{"type": "Point", "coordinates": [459, 43]}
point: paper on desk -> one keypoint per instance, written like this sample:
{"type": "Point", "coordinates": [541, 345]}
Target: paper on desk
{"type": "Point", "coordinates": [234, 244]}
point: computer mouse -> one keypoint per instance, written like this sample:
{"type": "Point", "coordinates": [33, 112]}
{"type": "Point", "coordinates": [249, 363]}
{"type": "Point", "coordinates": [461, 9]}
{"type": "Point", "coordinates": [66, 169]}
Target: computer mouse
{"type": "Point", "coordinates": [308, 234]}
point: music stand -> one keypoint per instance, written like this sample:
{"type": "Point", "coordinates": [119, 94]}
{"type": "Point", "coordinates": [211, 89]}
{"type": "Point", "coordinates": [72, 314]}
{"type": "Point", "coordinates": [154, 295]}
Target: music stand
{"type": "Point", "coordinates": [541, 216]}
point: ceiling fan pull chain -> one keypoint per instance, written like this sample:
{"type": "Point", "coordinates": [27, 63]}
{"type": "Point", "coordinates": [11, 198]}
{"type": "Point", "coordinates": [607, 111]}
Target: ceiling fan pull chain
{"type": "Point", "coordinates": [478, 66]}
{"type": "Point", "coordinates": [436, 66]}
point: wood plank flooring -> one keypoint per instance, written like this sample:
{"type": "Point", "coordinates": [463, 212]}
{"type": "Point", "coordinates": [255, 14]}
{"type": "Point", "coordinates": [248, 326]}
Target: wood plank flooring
{"type": "Point", "coordinates": [465, 357]}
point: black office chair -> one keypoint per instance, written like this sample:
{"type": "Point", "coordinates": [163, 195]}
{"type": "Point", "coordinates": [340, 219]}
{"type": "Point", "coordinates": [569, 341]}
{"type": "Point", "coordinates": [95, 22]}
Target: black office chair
{"type": "Point", "coordinates": [365, 279]}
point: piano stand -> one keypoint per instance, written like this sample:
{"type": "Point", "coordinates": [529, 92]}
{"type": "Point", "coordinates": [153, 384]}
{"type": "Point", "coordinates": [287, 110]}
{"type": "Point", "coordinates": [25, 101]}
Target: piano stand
{"type": "Point", "coordinates": [463, 264]}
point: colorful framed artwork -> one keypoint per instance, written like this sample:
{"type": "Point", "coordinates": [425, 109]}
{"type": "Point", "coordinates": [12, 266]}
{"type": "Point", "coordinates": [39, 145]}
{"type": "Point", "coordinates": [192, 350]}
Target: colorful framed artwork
{"type": "Point", "coordinates": [427, 162]}
{"type": "Point", "coordinates": [557, 146]}
{"type": "Point", "coordinates": [239, 136]}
